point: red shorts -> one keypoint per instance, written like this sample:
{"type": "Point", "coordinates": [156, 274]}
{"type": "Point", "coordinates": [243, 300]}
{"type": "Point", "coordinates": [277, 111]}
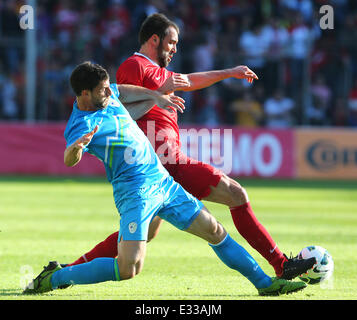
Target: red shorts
{"type": "Point", "coordinates": [194, 176]}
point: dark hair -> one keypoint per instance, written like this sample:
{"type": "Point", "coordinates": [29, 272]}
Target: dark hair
{"type": "Point", "coordinates": [86, 76]}
{"type": "Point", "coordinates": [158, 24]}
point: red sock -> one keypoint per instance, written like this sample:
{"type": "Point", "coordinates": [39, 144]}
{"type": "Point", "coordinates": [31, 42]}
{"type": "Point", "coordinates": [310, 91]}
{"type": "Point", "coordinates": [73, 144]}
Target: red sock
{"type": "Point", "coordinates": [107, 248]}
{"type": "Point", "coordinates": [257, 236]}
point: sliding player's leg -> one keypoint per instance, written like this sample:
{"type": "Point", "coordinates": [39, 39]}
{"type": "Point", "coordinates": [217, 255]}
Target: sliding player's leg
{"type": "Point", "coordinates": [208, 183]}
{"type": "Point", "coordinates": [130, 255]}
{"type": "Point", "coordinates": [229, 192]}
{"type": "Point", "coordinates": [187, 213]}
{"type": "Point", "coordinates": [236, 257]}
{"type": "Point", "coordinates": [129, 263]}
{"type": "Point", "coordinates": [137, 208]}
{"type": "Point", "coordinates": [108, 247]}
{"type": "Point", "coordinates": [229, 252]}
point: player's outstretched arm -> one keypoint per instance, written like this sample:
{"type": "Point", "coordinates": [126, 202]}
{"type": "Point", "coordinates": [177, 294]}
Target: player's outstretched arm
{"type": "Point", "coordinates": [73, 153]}
{"type": "Point", "coordinates": [138, 100]}
{"type": "Point", "coordinates": [200, 80]}
{"type": "Point", "coordinates": [177, 82]}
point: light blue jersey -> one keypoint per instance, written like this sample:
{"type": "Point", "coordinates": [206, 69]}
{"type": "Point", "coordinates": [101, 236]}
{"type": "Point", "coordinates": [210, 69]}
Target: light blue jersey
{"type": "Point", "coordinates": [142, 187]}
{"type": "Point", "coordinates": [129, 159]}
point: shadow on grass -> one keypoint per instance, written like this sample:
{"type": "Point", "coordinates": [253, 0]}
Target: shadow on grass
{"type": "Point", "coordinates": [10, 292]}
{"type": "Point", "coordinates": [48, 295]}
{"type": "Point", "coordinates": [18, 293]}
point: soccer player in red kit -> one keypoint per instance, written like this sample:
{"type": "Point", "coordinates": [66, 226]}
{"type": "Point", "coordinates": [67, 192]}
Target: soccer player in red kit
{"type": "Point", "coordinates": [158, 38]}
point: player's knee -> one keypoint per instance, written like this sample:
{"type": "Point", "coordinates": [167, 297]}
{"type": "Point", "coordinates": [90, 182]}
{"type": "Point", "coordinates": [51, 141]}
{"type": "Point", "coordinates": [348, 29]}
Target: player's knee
{"type": "Point", "coordinates": [127, 274]}
{"type": "Point", "coordinates": [207, 227]}
{"type": "Point", "coordinates": [215, 231]}
{"type": "Point", "coordinates": [238, 194]}
{"type": "Point", "coordinates": [129, 271]}
{"type": "Point", "coordinates": [130, 265]}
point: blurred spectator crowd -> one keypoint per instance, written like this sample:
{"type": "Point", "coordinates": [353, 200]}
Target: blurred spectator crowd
{"type": "Point", "coordinates": [307, 76]}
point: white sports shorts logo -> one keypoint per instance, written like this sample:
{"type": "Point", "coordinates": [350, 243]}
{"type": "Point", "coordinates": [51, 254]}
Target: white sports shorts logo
{"type": "Point", "coordinates": [132, 227]}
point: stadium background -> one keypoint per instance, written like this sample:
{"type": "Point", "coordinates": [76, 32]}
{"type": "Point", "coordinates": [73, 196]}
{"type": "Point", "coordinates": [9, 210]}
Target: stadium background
{"type": "Point", "coordinates": [306, 74]}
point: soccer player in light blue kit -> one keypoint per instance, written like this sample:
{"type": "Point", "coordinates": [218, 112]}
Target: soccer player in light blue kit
{"type": "Point", "coordinates": [142, 188]}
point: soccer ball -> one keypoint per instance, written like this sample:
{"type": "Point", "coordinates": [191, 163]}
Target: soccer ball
{"type": "Point", "coordinates": [322, 270]}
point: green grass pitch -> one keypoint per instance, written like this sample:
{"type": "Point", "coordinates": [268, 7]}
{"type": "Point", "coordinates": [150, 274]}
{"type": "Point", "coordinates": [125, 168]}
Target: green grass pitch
{"type": "Point", "coordinates": [43, 219]}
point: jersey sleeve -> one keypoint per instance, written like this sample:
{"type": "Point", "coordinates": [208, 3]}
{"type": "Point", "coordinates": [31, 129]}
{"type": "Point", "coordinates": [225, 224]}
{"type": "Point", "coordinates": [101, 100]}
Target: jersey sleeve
{"type": "Point", "coordinates": [76, 130]}
{"type": "Point", "coordinates": [130, 72]}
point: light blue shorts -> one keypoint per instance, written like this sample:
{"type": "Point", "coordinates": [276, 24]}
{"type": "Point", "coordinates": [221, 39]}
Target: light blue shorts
{"type": "Point", "coordinates": [166, 199]}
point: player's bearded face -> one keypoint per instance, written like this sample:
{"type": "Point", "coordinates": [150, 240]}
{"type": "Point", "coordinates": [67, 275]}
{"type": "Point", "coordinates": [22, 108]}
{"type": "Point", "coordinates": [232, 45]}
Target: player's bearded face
{"type": "Point", "coordinates": [163, 56]}
{"type": "Point", "coordinates": [100, 103]}
{"type": "Point", "coordinates": [101, 95]}
{"type": "Point", "coordinates": [167, 47]}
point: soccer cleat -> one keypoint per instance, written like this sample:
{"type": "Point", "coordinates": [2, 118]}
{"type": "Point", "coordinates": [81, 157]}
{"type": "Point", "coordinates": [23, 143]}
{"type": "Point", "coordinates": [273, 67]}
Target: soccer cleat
{"type": "Point", "coordinates": [42, 283]}
{"type": "Point", "coordinates": [281, 286]}
{"type": "Point", "coordinates": [294, 267]}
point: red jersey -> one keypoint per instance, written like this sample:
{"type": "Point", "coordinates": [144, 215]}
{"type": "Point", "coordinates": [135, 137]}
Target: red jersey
{"type": "Point", "coordinates": [159, 125]}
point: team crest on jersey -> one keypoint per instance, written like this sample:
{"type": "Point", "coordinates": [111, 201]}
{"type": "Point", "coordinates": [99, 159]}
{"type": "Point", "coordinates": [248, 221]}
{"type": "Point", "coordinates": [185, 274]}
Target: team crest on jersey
{"type": "Point", "coordinates": [132, 227]}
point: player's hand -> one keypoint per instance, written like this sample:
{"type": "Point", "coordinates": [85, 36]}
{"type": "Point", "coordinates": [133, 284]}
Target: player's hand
{"type": "Point", "coordinates": [171, 102]}
{"type": "Point", "coordinates": [177, 81]}
{"type": "Point", "coordinates": [83, 141]}
{"type": "Point", "coordinates": [243, 72]}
